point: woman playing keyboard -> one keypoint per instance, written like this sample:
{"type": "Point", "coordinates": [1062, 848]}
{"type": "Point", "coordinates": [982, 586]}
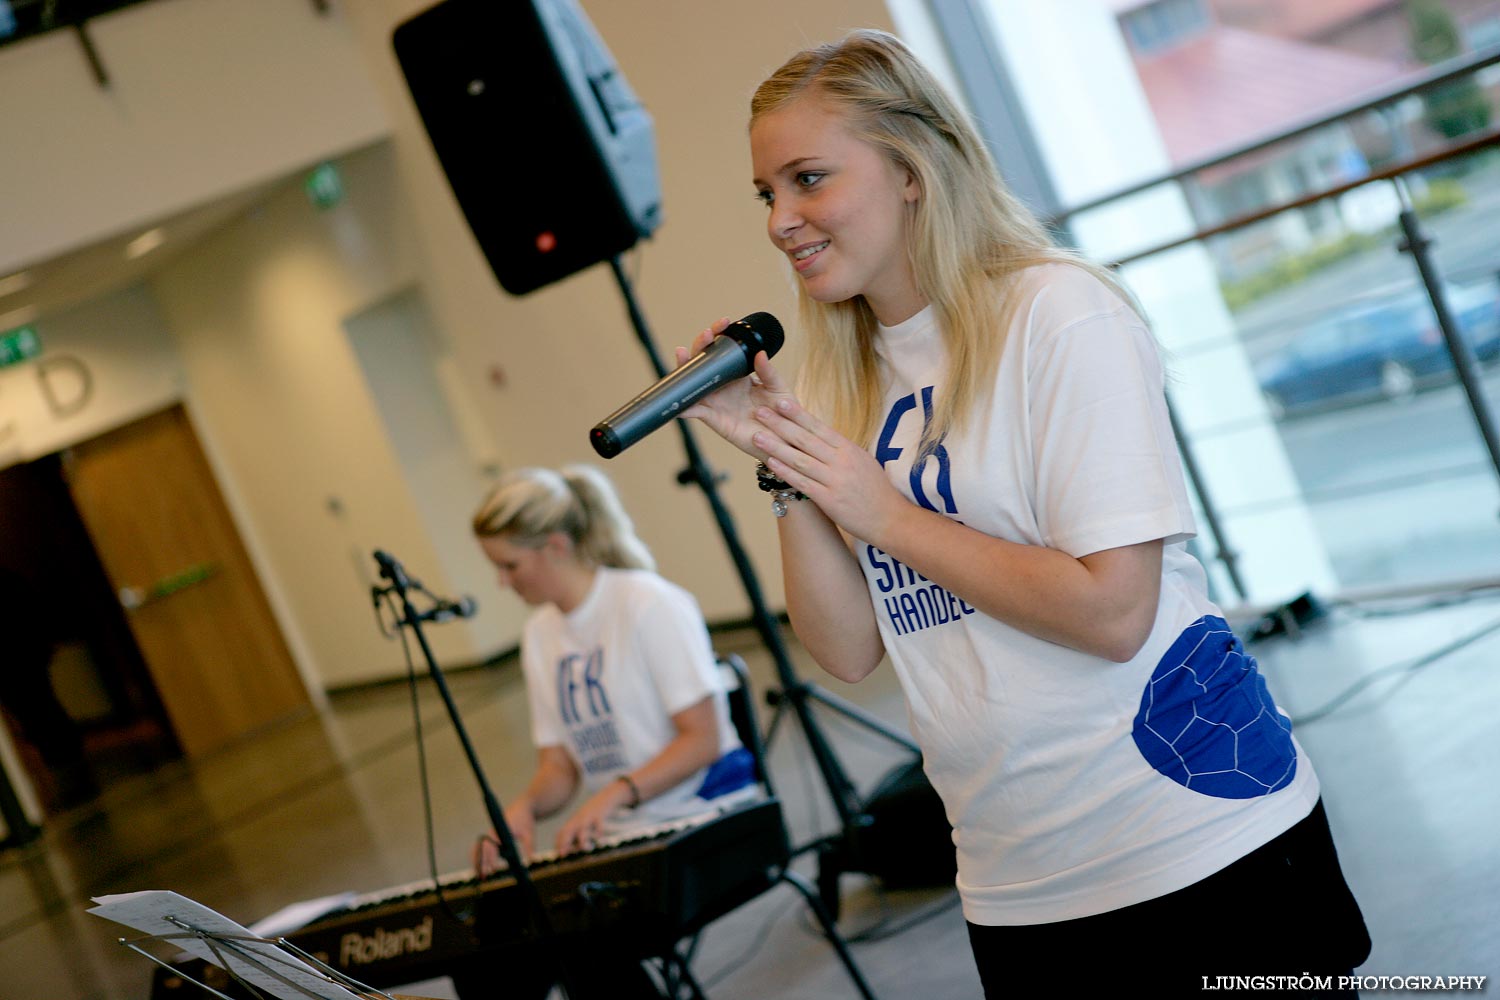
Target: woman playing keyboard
{"type": "Point", "coordinates": [626, 701]}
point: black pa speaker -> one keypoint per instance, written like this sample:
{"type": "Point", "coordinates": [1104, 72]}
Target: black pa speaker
{"type": "Point", "coordinates": [550, 154]}
{"type": "Point", "coordinates": [907, 843]}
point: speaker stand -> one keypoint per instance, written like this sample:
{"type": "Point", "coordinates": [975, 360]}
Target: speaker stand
{"type": "Point", "coordinates": [839, 852]}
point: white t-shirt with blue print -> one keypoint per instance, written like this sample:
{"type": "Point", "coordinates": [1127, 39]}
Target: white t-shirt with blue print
{"type": "Point", "coordinates": [605, 679]}
{"type": "Point", "coordinates": [1075, 785]}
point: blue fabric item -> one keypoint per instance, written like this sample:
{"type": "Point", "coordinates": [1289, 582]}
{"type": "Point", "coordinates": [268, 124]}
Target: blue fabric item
{"type": "Point", "coordinates": [1207, 721]}
{"type": "Point", "coordinates": [729, 773]}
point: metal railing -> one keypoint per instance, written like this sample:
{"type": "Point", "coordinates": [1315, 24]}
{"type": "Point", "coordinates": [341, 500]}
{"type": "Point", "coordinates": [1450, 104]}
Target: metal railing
{"type": "Point", "coordinates": [1413, 241]}
{"type": "Point", "coordinates": [1413, 85]}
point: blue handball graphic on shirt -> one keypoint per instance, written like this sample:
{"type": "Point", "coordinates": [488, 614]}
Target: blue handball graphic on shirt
{"type": "Point", "coordinates": [1207, 721]}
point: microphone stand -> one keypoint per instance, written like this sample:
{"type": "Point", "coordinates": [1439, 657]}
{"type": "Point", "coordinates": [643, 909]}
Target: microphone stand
{"type": "Point", "coordinates": [541, 926]}
{"type": "Point", "coordinates": [839, 852]}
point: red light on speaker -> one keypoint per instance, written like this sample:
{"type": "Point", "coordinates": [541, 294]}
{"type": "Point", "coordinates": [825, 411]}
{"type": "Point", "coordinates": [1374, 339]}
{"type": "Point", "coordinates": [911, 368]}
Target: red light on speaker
{"type": "Point", "coordinates": [546, 241]}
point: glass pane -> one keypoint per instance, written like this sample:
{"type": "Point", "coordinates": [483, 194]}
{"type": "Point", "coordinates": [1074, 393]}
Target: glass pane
{"type": "Point", "coordinates": [1341, 341]}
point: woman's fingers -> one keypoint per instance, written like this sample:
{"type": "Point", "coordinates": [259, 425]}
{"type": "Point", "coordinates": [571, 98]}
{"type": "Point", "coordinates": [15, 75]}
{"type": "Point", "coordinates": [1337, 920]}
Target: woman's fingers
{"type": "Point", "coordinates": [684, 354]}
{"type": "Point", "coordinates": [487, 858]}
{"type": "Point", "coordinates": [796, 413]}
{"type": "Point", "coordinates": [706, 337]}
{"type": "Point", "coordinates": [770, 378]}
{"type": "Point", "coordinates": [577, 834]}
{"type": "Point", "coordinates": [796, 427]}
{"type": "Point", "coordinates": [789, 462]}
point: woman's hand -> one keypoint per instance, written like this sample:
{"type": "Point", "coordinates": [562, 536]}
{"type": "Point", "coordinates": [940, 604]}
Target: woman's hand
{"type": "Point", "coordinates": [581, 831]}
{"type": "Point", "coordinates": [843, 479]}
{"type": "Point", "coordinates": [522, 822]}
{"type": "Point", "coordinates": [728, 411]}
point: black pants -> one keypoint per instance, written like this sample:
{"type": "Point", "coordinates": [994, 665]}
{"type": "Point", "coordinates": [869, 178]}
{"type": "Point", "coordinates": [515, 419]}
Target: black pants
{"type": "Point", "coordinates": [1284, 909]}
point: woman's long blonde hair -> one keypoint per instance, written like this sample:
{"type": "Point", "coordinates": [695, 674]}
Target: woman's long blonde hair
{"type": "Point", "coordinates": [580, 502]}
{"type": "Point", "coordinates": [968, 237]}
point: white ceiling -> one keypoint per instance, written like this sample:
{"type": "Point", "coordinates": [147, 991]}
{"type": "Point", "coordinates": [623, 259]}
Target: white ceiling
{"type": "Point", "coordinates": [51, 286]}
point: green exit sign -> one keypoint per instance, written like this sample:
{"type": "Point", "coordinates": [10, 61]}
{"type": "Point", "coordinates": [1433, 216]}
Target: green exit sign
{"type": "Point", "coordinates": [324, 186]}
{"type": "Point", "coordinates": [20, 344]}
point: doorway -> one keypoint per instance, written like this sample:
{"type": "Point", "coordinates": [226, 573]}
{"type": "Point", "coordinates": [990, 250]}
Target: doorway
{"type": "Point", "coordinates": [77, 697]}
{"type": "Point", "coordinates": [173, 555]}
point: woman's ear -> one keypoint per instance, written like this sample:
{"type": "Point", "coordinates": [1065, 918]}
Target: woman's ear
{"type": "Point", "coordinates": [558, 545]}
{"type": "Point", "coordinates": [912, 191]}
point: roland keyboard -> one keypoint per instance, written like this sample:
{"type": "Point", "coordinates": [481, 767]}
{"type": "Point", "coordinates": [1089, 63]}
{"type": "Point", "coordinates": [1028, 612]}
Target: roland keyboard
{"type": "Point", "coordinates": [647, 888]}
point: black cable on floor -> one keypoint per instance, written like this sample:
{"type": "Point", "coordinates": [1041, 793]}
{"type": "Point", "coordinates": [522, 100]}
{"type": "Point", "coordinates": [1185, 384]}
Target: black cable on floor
{"type": "Point", "coordinates": [879, 931]}
{"type": "Point", "coordinates": [755, 945]}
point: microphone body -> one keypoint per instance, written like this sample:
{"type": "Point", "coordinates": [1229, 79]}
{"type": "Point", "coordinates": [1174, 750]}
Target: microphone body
{"type": "Point", "coordinates": [445, 610]}
{"type": "Point", "coordinates": [731, 355]}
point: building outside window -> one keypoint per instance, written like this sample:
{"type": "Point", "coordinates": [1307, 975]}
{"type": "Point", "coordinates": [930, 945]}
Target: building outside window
{"type": "Point", "coordinates": [1312, 323]}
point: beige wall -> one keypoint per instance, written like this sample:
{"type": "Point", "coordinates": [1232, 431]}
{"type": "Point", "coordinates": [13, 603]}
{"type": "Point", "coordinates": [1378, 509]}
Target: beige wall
{"type": "Point", "coordinates": [103, 363]}
{"type": "Point", "coordinates": [284, 411]}
{"type": "Point", "coordinates": [257, 311]}
{"type": "Point", "coordinates": [568, 350]}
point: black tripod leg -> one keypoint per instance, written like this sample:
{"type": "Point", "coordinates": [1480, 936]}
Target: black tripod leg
{"type": "Point", "coordinates": [830, 868]}
{"type": "Point", "coordinates": [686, 978]}
{"type": "Point", "coordinates": [858, 715]}
{"type": "Point", "coordinates": [677, 970]}
{"type": "Point", "coordinates": [676, 975]}
{"type": "Point", "coordinates": [830, 930]}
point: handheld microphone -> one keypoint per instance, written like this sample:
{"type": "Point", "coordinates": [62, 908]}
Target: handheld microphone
{"type": "Point", "coordinates": [729, 356]}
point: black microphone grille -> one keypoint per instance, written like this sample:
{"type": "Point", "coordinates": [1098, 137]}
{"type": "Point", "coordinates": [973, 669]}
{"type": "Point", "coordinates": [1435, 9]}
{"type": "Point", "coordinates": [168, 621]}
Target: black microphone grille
{"type": "Point", "coordinates": [766, 330]}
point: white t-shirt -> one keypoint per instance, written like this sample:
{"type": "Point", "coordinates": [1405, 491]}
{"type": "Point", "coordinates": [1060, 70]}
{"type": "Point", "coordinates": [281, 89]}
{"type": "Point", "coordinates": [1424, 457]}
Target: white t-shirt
{"type": "Point", "coordinates": [1075, 785]}
{"type": "Point", "coordinates": [605, 679]}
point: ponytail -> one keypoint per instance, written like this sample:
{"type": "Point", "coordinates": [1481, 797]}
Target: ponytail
{"type": "Point", "coordinates": [609, 537]}
{"type": "Point", "coordinates": [579, 501]}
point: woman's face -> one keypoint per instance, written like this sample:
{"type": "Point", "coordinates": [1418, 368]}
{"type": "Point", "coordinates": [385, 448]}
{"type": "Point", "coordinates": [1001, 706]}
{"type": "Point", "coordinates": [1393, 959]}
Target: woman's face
{"type": "Point", "coordinates": [838, 208]}
{"type": "Point", "coordinates": [530, 572]}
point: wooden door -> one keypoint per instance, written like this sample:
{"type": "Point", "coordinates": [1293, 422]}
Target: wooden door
{"type": "Point", "coordinates": [151, 505]}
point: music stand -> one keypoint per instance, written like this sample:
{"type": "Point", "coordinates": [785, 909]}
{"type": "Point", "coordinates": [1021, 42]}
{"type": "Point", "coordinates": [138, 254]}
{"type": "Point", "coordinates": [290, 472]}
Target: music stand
{"type": "Point", "coordinates": [260, 964]}
{"type": "Point", "coordinates": [838, 852]}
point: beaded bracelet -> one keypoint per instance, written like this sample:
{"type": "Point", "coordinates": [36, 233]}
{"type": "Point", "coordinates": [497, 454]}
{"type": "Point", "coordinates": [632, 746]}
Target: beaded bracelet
{"type": "Point", "coordinates": [769, 482]}
{"type": "Point", "coordinates": [781, 491]}
{"type": "Point", "coordinates": [635, 791]}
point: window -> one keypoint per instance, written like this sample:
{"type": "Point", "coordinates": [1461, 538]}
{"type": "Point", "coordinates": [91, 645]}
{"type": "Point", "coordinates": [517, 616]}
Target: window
{"type": "Point", "coordinates": [1163, 24]}
{"type": "Point", "coordinates": [1483, 33]}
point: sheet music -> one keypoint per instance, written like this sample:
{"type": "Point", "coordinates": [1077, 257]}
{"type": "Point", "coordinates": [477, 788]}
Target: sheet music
{"type": "Point", "coordinates": [298, 915]}
{"type": "Point", "coordinates": [260, 963]}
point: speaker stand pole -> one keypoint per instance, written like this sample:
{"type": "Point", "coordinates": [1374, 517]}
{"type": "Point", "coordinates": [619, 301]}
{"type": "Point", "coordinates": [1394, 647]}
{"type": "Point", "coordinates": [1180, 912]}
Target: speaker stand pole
{"type": "Point", "coordinates": [839, 852]}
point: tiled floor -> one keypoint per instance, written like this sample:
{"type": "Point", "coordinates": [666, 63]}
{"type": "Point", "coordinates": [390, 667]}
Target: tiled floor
{"type": "Point", "coordinates": [1398, 711]}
